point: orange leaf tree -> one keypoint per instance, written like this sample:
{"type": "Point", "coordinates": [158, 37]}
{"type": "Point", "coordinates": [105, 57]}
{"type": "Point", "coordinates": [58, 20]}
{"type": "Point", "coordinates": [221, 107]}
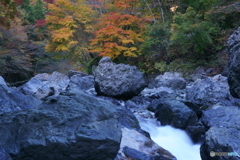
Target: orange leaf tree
{"type": "Point", "coordinates": [119, 32]}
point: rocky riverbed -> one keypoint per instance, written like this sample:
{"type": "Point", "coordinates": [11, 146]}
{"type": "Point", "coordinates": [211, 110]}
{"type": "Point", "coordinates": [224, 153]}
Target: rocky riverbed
{"type": "Point", "coordinates": [93, 117]}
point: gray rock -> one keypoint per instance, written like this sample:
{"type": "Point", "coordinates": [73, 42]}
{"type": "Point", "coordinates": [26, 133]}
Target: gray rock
{"type": "Point", "coordinates": [234, 63]}
{"type": "Point", "coordinates": [105, 60]}
{"type": "Point", "coordinates": [222, 117]}
{"type": "Point", "coordinates": [210, 91]}
{"type": "Point", "coordinates": [126, 116]}
{"type": "Point", "coordinates": [198, 73]}
{"type": "Point", "coordinates": [170, 85]}
{"type": "Point", "coordinates": [209, 70]}
{"type": "Point", "coordinates": [72, 73]}
{"type": "Point", "coordinates": [135, 154]}
{"type": "Point", "coordinates": [140, 100]}
{"type": "Point", "coordinates": [44, 85]}
{"type": "Point", "coordinates": [160, 92]}
{"type": "Point", "coordinates": [139, 109]}
{"type": "Point", "coordinates": [3, 154]}
{"type": "Point", "coordinates": [12, 100]}
{"type": "Point", "coordinates": [118, 80]}
{"type": "Point", "coordinates": [135, 145]}
{"type": "Point", "coordinates": [37, 88]}
{"type": "Point", "coordinates": [172, 80]}
{"type": "Point", "coordinates": [224, 73]}
{"type": "Point", "coordinates": [197, 132]}
{"type": "Point", "coordinates": [127, 119]}
{"type": "Point", "coordinates": [84, 83]}
{"type": "Point", "coordinates": [66, 127]}
{"type": "Point", "coordinates": [2, 82]}
{"type": "Point", "coordinates": [223, 135]}
{"type": "Point", "coordinates": [174, 113]}
{"type": "Point", "coordinates": [221, 141]}
{"type": "Point", "coordinates": [195, 107]}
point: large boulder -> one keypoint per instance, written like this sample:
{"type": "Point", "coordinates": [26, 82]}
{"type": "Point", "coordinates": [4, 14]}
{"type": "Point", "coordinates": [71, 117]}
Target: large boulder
{"type": "Point", "coordinates": [118, 80]}
{"type": "Point", "coordinates": [223, 135]}
{"type": "Point", "coordinates": [209, 91]}
{"type": "Point", "coordinates": [234, 63]}
{"type": "Point", "coordinates": [174, 113]}
{"type": "Point", "coordinates": [127, 117]}
{"type": "Point", "coordinates": [67, 127]}
{"type": "Point", "coordinates": [44, 85]}
{"type": "Point", "coordinates": [221, 143]}
{"type": "Point", "coordinates": [170, 85]}
{"type": "Point", "coordinates": [222, 116]}
{"type": "Point", "coordinates": [12, 100]}
{"type": "Point", "coordinates": [135, 145]}
{"type": "Point", "coordinates": [172, 80]}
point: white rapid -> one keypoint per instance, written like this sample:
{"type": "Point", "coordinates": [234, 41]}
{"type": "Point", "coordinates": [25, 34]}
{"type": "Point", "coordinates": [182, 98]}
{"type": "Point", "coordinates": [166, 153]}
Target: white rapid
{"type": "Point", "coordinates": [174, 140]}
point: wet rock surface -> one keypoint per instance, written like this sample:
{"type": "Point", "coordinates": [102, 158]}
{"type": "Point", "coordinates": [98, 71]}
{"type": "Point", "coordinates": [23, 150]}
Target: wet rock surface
{"type": "Point", "coordinates": [173, 113]}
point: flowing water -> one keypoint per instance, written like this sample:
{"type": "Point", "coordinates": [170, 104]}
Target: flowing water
{"type": "Point", "coordinates": [174, 140]}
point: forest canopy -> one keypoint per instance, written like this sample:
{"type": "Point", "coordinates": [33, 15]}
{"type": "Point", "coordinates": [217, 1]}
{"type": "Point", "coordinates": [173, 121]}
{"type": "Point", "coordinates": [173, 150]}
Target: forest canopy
{"type": "Point", "coordinates": [155, 35]}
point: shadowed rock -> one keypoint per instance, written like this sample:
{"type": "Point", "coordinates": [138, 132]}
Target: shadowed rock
{"type": "Point", "coordinates": [223, 135]}
{"type": "Point", "coordinates": [135, 145]}
{"type": "Point", "coordinates": [12, 100]}
{"type": "Point", "coordinates": [4, 155]}
{"type": "Point", "coordinates": [234, 63]}
{"type": "Point", "coordinates": [66, 127]}
{"type": "Point", "coordinates": [174, 113]}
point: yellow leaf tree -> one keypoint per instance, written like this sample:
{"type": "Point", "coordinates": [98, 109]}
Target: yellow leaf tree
{"type": "Point", "coordinates": [69, 25]}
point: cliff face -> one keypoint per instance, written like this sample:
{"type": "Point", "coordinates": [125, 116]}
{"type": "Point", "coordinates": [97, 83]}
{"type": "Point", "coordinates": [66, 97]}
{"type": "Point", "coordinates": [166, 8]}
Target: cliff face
{"type": "Point", "coordinates": [234, 63]}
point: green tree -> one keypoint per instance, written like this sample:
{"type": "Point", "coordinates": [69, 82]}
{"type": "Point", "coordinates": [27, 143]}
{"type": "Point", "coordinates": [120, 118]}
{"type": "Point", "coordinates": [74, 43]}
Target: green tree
{"type": "Point", "coordinates": [193, 33]}
{"type": "Point", "coordinates": [34, 10]}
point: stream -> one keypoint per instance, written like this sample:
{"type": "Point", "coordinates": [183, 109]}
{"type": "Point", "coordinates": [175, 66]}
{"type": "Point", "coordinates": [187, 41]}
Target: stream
{"type": "Point", "coordinates": [174, 140]}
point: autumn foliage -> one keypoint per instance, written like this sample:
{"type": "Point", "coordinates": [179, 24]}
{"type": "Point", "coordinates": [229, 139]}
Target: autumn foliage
{"type": "Point", "coordinates": [119, 32]}
{"type": "Point", "coordinates": [65, 21]}
{"type": "Point", "coordinates": [8, 11]}
{"type": "Point", "coordinates": [146, 32]}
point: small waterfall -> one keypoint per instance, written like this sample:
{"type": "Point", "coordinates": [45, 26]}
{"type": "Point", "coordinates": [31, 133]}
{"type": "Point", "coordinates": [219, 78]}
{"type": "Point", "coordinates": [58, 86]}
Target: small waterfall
{"type": "Point", "coordinates": [174, 140]}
